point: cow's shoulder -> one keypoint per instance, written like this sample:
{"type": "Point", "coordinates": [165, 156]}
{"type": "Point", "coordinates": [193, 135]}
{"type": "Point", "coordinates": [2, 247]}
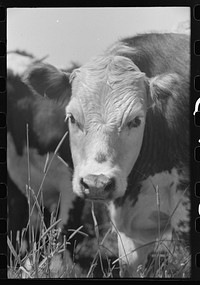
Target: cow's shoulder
{"type": "Point", "coordinates": [160, 200]}
{"type": "Point", "coordinates": [153, 52]}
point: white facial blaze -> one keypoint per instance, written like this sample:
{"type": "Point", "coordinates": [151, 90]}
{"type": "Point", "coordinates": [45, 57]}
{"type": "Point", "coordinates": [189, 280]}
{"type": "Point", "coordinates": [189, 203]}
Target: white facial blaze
{"type": "Point", "coordinates": [104, 137]}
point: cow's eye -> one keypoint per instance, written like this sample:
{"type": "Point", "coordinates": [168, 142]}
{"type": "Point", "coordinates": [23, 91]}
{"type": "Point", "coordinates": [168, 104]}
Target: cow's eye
{"type": "Point", "coordinates": [72, 119]}
{"type": "Point", "coordinates": [74, 122]}
{"type": "Point", "coordinates": [134, 123]}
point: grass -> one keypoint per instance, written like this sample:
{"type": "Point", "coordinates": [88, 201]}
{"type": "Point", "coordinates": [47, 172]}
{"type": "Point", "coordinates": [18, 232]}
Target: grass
{"type": "Point", "coordinates": [48, 257]}
{"type": "Point", "coordinates": [47, 254]}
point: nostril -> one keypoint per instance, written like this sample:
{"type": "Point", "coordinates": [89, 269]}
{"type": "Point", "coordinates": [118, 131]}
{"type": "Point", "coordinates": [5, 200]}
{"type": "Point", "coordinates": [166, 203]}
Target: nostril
{"type": "Point", "coordinates": [110, 185]}
{"type": "Point", "coordinates": [85, 185]}
{"type": "Point", "coordinates": [93, 185]}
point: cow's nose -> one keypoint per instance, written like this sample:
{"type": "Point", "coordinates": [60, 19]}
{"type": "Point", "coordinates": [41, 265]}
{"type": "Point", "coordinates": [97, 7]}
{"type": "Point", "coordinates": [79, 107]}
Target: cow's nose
{"type": "Point", "coordinates": [97, 186]}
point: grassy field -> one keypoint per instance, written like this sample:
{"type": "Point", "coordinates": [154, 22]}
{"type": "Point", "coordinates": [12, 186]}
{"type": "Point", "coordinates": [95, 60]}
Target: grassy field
{"type": "Point", "coordinates": [48, 256]}
{"type": "Point", "coordinates": [47, 253]}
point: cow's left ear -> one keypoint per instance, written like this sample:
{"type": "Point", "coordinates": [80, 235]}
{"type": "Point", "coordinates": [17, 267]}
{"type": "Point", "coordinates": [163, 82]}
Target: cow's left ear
{"type": "Point", "coordinates": [163, 87]}
{"type": "Point", "coordinates": [46, 80]}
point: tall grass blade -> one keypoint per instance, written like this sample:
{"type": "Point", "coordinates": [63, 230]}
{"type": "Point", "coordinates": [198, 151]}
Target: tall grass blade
{"type": "Point", "coordinates": [96, 229]}
{"type": "Point", "coordinates": [75, 232]}
{"type": "Point", "coordinates": [50, 228]}
{"type": "Point", "coordinates": [12, 250]}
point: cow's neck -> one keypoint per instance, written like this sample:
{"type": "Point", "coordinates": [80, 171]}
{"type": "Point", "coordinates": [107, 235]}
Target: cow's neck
{"type": "Point", "coordinates": [159, 153]}
{"type": "Point", "coordinates": [162, 195]}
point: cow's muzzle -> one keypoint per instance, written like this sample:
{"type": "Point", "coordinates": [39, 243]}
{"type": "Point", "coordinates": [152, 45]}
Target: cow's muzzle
{"type": "Point", "coordinates": [97, 187]}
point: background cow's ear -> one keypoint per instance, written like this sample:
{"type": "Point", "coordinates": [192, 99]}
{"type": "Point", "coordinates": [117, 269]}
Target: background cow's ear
{"type": "Point", "coordinates": [48, 81]}
{"type": "Point", "coordinates": [164, 86]}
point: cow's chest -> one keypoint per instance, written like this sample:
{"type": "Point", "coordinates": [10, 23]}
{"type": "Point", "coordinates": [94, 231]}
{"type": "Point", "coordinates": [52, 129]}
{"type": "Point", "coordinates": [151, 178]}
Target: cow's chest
{"type": "Point", "coordinates": [161, 204]}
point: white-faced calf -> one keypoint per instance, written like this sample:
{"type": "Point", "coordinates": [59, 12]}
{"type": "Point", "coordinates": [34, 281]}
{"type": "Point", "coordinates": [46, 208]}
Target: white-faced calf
{"type": "Point", "coordinates": [128, 119]}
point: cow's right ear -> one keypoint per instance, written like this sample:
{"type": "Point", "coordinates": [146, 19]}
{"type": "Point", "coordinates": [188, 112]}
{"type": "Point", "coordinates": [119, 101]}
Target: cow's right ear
{"type": "Point", "coordinates": [48, 81]}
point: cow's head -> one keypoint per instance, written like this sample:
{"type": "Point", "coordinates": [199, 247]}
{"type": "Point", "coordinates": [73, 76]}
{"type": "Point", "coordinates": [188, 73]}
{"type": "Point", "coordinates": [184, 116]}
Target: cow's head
{"type": "Point", "coordinates": [106, 115]}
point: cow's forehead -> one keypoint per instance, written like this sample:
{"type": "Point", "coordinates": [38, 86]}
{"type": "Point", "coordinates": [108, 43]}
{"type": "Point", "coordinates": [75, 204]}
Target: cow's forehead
{"type": "Point", "coordinates": [109, 84]}
{"type": "Point", "coordinates": [119, 72]}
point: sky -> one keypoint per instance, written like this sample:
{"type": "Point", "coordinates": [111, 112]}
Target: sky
{"type": "Point", "coordinates": [75, 34]}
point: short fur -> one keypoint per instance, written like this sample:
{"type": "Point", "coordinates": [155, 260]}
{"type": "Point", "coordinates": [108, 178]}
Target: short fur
{"type": "Point", "coordinates": [146, 76]}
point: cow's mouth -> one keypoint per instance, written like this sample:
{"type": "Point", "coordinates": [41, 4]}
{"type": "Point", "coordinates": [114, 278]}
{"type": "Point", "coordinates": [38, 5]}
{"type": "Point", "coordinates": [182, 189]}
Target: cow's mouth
{"type": "Point", "coordinates": [98, 191]}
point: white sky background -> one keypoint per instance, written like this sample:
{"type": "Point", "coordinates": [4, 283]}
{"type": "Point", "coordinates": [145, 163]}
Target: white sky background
{"type": "Point", "coordinates": [76, 34]}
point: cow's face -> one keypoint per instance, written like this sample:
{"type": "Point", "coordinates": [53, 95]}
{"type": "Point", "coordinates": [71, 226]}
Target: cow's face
{"type": "Point", "coordinates": [106, 125]}
{"type": "Point", "coordinates": [106, 114]}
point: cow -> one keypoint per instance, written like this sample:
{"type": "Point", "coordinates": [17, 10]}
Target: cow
{"type": "Point", "coordinates": [128, 119]}
{"type": "Point", "coordinates": [45, 123]}
{"type": "Point", "coordinates": [35, 127]}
